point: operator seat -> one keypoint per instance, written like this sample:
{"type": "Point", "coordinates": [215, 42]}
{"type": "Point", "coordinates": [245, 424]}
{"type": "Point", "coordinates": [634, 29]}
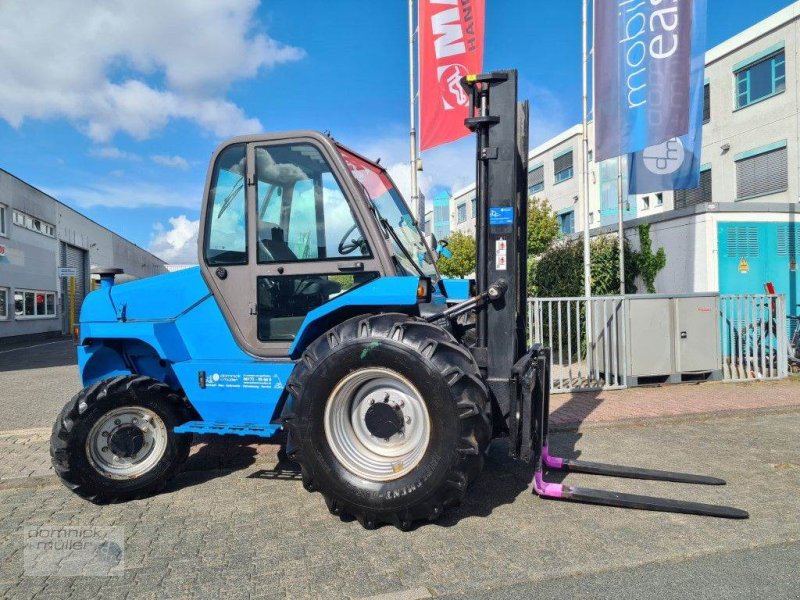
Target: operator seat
{"type": "Point", "coordinates": [284, 302]}
{"type": "Point", "coordinates": [273, 242]}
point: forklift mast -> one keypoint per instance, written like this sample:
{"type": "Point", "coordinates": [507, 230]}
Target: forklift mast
{"type": "Point", "coordinates": [501, 125]}
{"type": "Point", "coordinates": [518, 377]}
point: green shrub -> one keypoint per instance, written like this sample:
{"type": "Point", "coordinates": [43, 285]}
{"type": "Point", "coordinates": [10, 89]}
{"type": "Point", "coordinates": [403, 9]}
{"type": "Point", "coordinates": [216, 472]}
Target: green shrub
{"type": "Point", "coordinates": [462, 263]}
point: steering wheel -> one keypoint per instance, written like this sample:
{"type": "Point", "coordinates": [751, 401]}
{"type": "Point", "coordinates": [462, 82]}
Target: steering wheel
{"type": "Point", "coordinates": [346, 247]}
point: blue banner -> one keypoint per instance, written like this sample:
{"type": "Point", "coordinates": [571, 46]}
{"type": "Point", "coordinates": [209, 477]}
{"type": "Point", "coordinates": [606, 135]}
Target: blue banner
{"type": "Point", "coordinates": [675, 164]}
{"type": "Point", "coordinates": [642, 51]}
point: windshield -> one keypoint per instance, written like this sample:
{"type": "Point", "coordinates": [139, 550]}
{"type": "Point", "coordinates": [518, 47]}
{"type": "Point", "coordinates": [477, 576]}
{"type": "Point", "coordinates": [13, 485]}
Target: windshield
{"type": "Point", "coordinates": [406, 241]}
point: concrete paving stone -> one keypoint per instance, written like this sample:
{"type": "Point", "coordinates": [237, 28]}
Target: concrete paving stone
{"type": "Point", "coordinates": [225, 530]}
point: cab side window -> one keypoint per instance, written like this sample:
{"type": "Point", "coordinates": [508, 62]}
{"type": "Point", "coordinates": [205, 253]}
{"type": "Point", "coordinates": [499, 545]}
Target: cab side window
{"type": "Point", "coordinates": [226, 217]}
{"type": "Point", "coordinates": [303, 213]}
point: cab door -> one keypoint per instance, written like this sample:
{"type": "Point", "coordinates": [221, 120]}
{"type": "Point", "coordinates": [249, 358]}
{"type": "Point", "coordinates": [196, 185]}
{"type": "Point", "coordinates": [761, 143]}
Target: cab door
{"type": "Point", "coordinates": [307, 240]}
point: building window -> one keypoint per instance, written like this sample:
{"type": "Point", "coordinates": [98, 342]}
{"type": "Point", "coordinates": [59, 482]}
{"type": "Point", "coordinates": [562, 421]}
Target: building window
{"type": "Point", "coordinates": [762, 172]}
{"type": "Point", "coordinates": [462, 213]}
{"type": "Point", "coordinates": [536, 180]}
{"type": "Point", "coordinates": [591, 218]}
{"type": "Point", "coordinates": [566, 222]}
{"type": "Point", "coordinates": [3, 213]}
{"type": "Point", "coordinates": [33, 224]}
{"type": "Point", "coordinates": [475, 208]}
{"type": "Point", "coordinates": [34, 304]}
{"type": "Point", "coordinates": [698, 195]}
{"type": "Point", "coordinates": [760, 80]}
{"type": "Point", "coordinates": [659, 199]}
{"type": "Point", "coordinates": [562, 165]}
{"type": "Point", "coordinates": [3, 304]}
{"type": "Point", "coordinates": [707, 103]}
{"type": "Point", "coordinates": [646, 203]}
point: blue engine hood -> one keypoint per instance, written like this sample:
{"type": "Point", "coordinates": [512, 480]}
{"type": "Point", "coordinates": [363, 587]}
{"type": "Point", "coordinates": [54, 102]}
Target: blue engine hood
{"type": "Point", "coordinates": [158, 298]}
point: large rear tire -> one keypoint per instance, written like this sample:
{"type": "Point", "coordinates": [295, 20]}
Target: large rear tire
{"type": "Point", "coordinates": [115, 440]}
{"type": "Point", "coordinates": [388, 419]}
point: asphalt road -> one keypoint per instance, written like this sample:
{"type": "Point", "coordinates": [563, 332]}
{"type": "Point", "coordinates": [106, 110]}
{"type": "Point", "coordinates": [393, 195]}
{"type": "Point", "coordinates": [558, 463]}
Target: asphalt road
{"type": "Point", "coordinates": [36, 380]}
{"type": "Point", "coordinates": [238, 532]}
{"type": "Point", "coordinates": [767, 572]}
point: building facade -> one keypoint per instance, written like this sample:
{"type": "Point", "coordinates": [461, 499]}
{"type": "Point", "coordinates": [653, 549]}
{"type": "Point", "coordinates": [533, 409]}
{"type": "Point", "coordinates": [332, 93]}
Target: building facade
{"type": "Point", "coordinates": [737, 230]}
{"type": "Point", "coordinates": [47, 251]}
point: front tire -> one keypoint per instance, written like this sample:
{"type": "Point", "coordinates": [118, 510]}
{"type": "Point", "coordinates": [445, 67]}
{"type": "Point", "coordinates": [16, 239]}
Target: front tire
{"type": "Point", "coordinates": [115, 440]}
{"type": "Point", "coordinates": [389, 419]}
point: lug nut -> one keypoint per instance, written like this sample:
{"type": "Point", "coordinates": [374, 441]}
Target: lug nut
{"type": "Point", "coordinates": [408, 420]}
{"type": "Point", "coordinates": [104, 449]}
{"type": "Point", "coordinates": [117, 422]}
{"type": "Point", "coordinates": [104, 434]}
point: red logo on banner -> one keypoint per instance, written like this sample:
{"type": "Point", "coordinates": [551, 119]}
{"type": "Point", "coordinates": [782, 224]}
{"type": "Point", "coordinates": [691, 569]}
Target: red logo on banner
{"type": "Point", "coordinates": [450, 47]}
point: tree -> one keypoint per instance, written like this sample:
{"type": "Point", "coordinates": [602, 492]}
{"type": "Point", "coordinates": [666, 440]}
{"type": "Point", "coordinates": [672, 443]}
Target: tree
{"type": "Point", "coordinates": [462, 263]}
{"type": "Point", "coordinates": [543, 227]}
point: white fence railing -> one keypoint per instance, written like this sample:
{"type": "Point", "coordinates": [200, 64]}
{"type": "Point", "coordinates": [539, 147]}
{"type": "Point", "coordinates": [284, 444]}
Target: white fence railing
{"type": "Point", "coordinates": [753, 339]}
{"type": "Point", "coordinates": [754, 335]}
{"type": "Point", "coordinates": [579, 361]}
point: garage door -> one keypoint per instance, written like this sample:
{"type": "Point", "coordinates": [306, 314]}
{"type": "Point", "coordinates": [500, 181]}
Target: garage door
{"type": "Point", "coordinates": [75, 258]}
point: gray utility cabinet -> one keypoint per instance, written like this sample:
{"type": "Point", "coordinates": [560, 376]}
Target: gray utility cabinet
{"type": "Point", "coordinates": [674, 338]}
{"type": "Point", "coordinates": [662, 339]}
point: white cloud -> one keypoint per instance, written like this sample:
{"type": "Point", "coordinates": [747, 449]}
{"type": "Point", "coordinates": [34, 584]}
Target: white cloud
{"type": "Point", "coordinates": [113, 153]}
{"type": "Point", "coordinates": [122, 194]}
{"type": "Point", "coordinates": [94, 63]}
{"type": "Point", "coordinates": [176, 161]}
{"type": "Point", "coordinates": [178, 243]}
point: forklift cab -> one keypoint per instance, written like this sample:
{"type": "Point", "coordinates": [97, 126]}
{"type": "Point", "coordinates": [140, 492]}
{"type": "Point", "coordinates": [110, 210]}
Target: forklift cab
{"type": "Point", "coordinates": [292, 221]}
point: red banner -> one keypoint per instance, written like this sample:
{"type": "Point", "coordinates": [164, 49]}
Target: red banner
{"type": "Point", "coordinates": [450, 47]}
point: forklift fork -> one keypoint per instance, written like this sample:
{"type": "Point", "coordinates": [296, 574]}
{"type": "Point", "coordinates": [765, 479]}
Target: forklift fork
{"type": "Point", "coordinates": [529, 439]}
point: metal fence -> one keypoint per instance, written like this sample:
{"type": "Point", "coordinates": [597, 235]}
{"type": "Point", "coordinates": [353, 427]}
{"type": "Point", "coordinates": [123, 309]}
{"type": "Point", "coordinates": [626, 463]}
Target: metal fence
{"type": "Point", "coordinates": [579, 361]}
{"type": "Point", "coordinates": [754, 333]}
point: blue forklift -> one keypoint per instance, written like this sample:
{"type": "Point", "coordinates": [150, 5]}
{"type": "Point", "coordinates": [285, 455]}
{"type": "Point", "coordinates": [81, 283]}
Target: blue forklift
{"type": "Point", "coordinates": [317, 309]}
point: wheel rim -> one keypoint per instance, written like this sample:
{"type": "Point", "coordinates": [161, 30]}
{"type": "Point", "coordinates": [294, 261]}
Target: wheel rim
{"type": "Point", "coordinates": [126, 443]}
{"type": "Point", "coordinates": [356, 423]}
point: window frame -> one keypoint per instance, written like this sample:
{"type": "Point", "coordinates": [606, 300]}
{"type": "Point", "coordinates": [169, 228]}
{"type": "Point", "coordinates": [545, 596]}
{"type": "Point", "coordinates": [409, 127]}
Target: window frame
{"type": "Point", "coordinates": [566, 173]}
{"type": "Point", "coordinates": [3, 219]}
{"type": "Point", "coordinates": [461, 209]}
{"type": "Point", "coordinates": [210, 201]}
{"type": "Point", "coordinates": [4, 292]}
{"type": "Point", "coordinates": [368, 255]}
{"type": "Point", "coordinates": [706, 102]}
{"type": "Point", "coordinates": [539, 186]}
{"type": "Point", "coordinates": [754, 154]}
{"type": "Point", "coordinates": [747, 69]}
{"type": "Point", "coordinates": [562, 216]}
{"type": "Point", "coordinates": [35, 316]}
{"type": "Point", "coordinates": [26, 221]}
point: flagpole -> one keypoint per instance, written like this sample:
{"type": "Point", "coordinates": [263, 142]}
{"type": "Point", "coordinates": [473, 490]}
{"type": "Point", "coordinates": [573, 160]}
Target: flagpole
{"type": "Point", "coordinates": [620, 227]}
{"type": "Point", "coordinates": [416, 210]}
{"type": "Point", "coordinates": [587, 260]}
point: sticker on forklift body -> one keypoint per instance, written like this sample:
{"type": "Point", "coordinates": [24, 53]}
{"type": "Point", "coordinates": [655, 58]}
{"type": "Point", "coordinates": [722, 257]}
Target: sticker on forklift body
{"type": "Point", "coordinates": [501, 215]}
{"type": "Point", "coordinates": [256, 381]}
{"type": "Point", "coordinates": [500, 255]}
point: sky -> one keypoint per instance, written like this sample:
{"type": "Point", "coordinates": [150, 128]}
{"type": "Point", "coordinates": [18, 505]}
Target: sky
{"type": "Point", "coordinates": [114, 107]}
